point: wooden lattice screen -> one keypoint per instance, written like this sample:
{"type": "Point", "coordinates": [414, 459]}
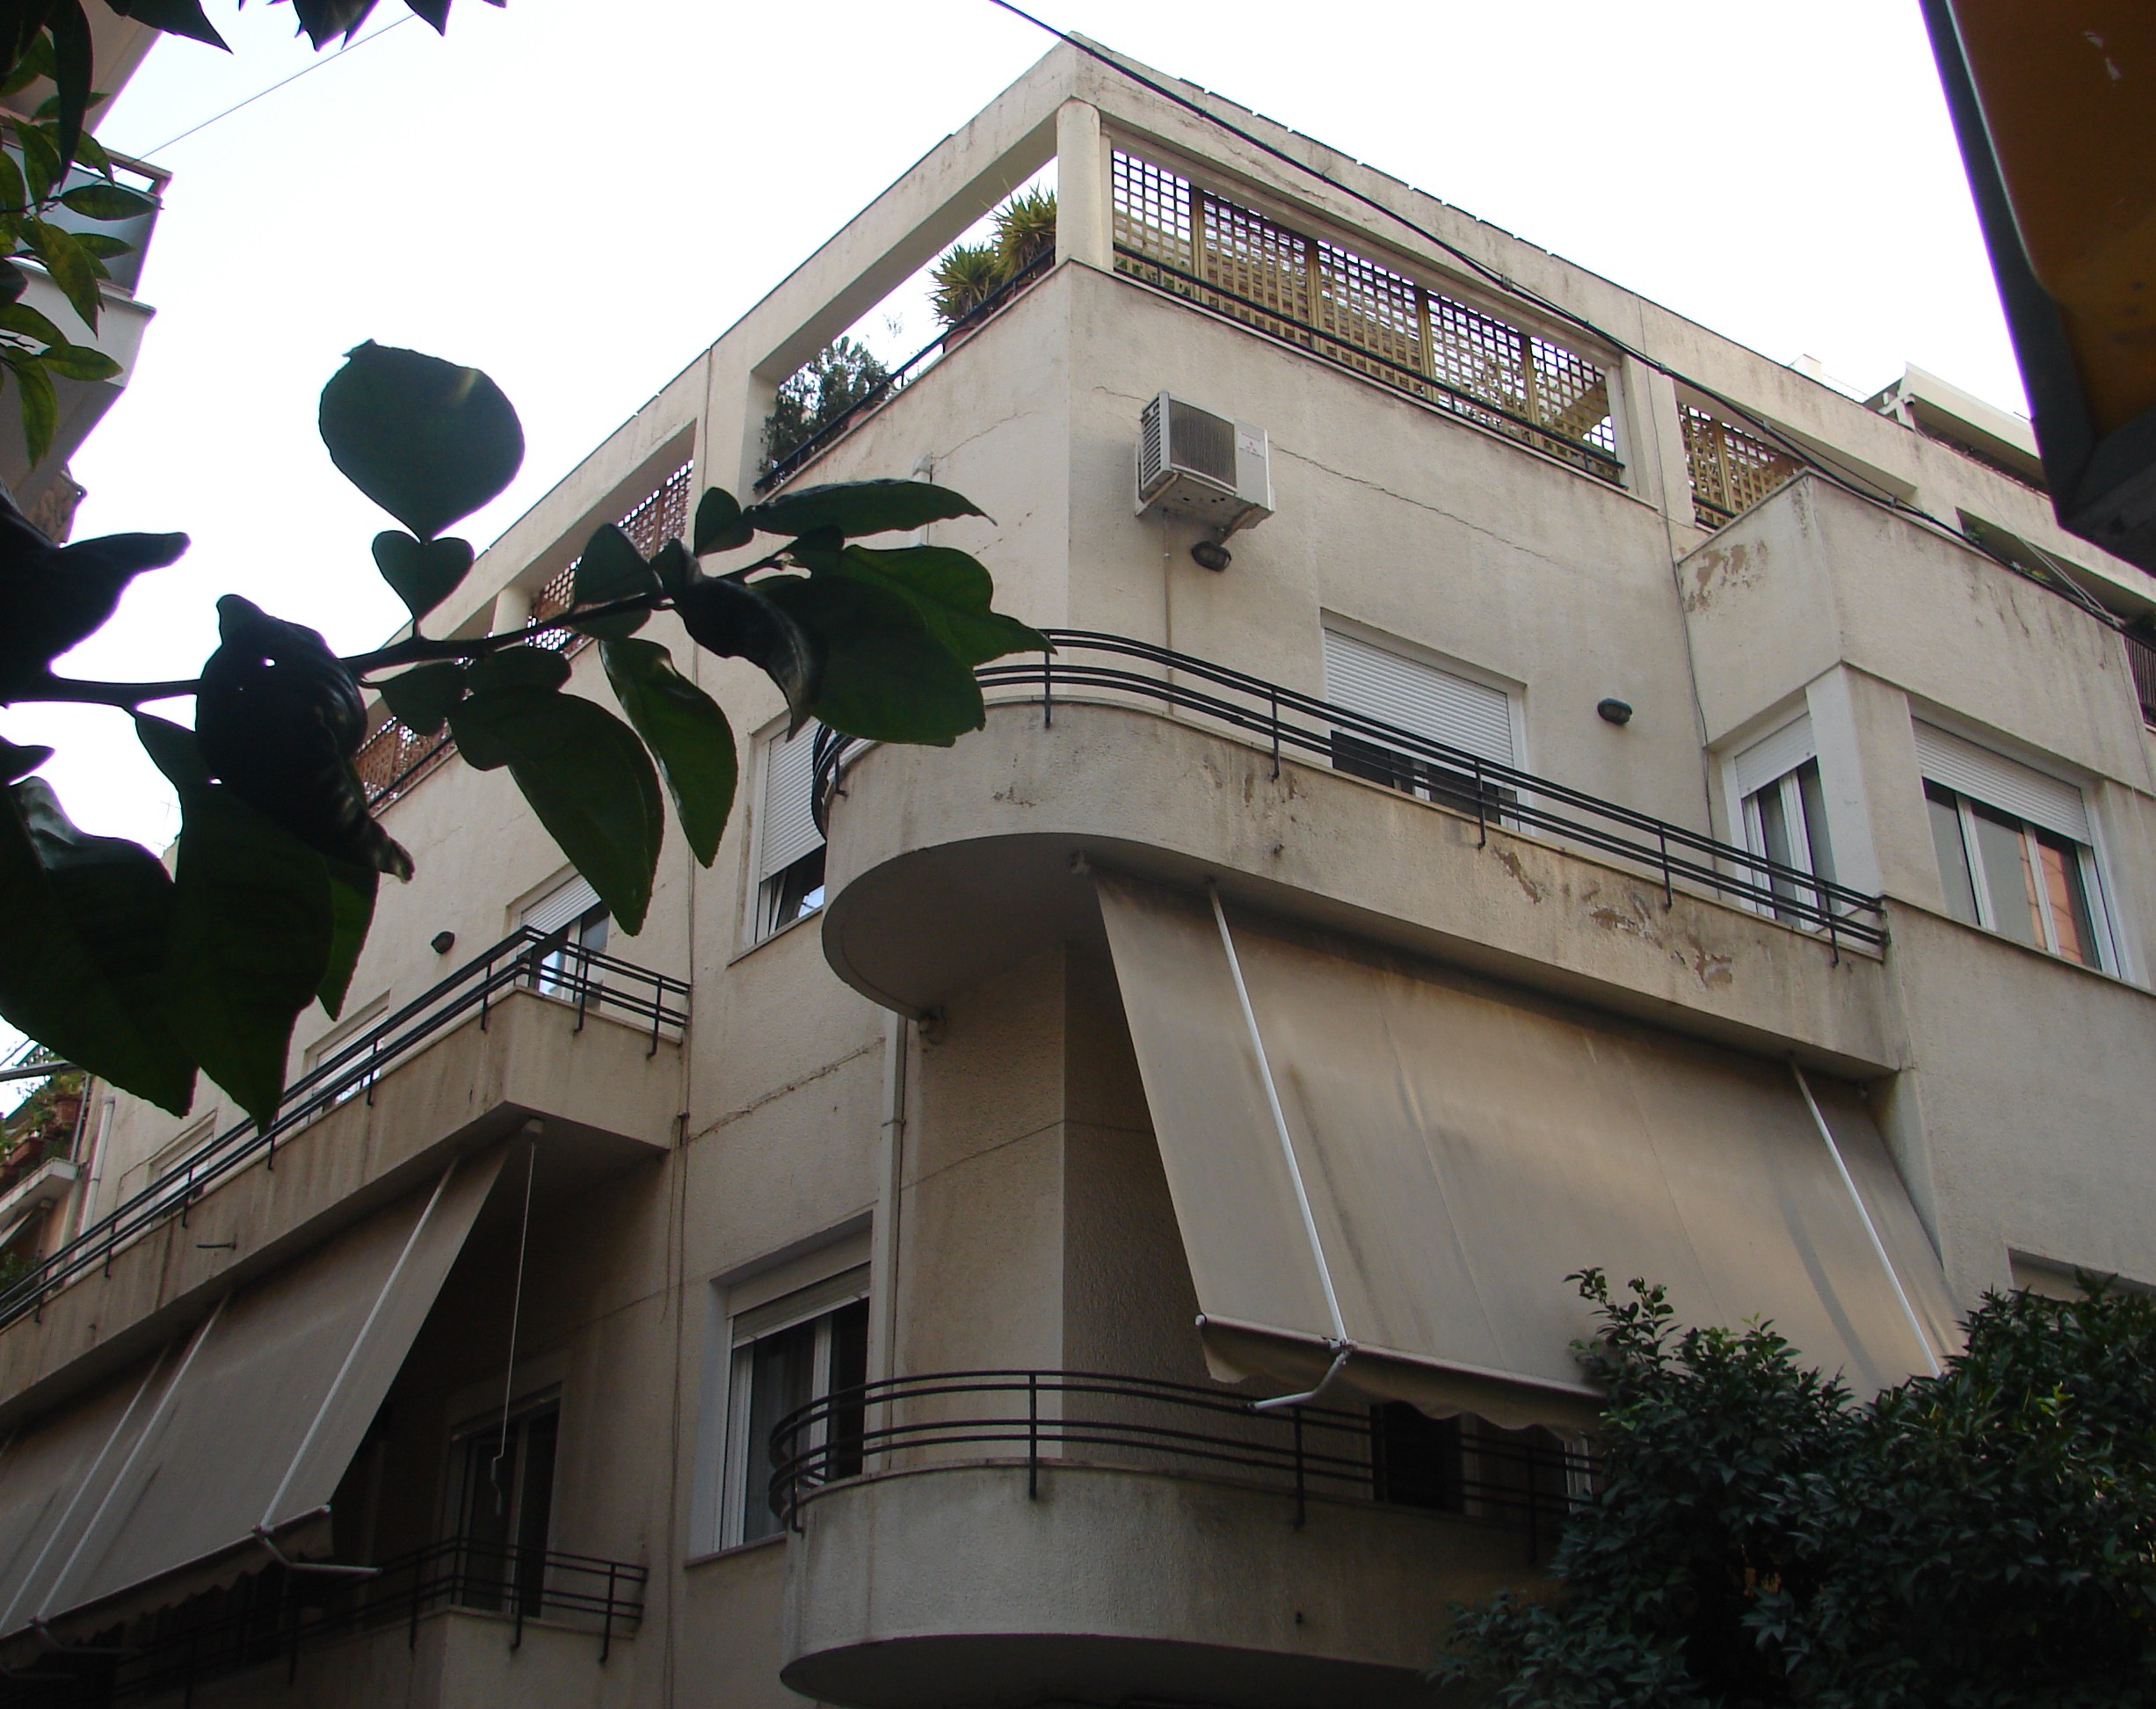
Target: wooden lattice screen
{"type": "Point", "coordinates": [1731, 470]}
{"type": "Point", "coordinates": [394, 758]}
{"type": "Point", "coordinates": [2141, 659]}
{"type": "Point", "coordinates": [1314, 294]}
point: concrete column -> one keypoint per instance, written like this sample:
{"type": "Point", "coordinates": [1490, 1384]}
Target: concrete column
{"type": "Point", "coordinates": [1083, 228]}
{"type": "Point", "coordinates": [513, 610]}
{"type": "Point", "coordinates": [1831, 704]}
{"type": "Point", "coordinates": [1654, 440]}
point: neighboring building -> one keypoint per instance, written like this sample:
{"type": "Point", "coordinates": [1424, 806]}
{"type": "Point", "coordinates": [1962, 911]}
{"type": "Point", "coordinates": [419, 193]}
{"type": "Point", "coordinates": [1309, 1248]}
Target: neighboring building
{"type": "Point", "coordinates": [48, 493]}
{"type": "Point", "coordinates": [1572, 830]}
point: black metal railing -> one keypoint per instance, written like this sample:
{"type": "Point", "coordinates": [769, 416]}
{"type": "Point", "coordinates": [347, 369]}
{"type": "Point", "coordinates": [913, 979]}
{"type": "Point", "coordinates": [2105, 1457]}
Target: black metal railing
{"type": "Point", "coordinates": [784, 468]}
{"type": "Point", "coordinates": [1087, 662]}
{"type": "Point", "coordinates": [1051, 1418]}
{"type": "Point", "coordinates": [525, 959]}
{"type": "Point", "coordinates": [273, 1615]}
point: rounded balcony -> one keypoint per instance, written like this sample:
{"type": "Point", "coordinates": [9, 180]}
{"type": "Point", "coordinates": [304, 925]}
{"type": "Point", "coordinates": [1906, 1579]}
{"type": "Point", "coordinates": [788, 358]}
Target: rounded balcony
{"type": "Point", "coordinates": [1016, 1537]}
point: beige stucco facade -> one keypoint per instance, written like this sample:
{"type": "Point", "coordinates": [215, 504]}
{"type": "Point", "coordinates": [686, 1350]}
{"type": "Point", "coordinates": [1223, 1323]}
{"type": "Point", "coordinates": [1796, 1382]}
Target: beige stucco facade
{"type": "Point", "coordinates": [925, 1094]}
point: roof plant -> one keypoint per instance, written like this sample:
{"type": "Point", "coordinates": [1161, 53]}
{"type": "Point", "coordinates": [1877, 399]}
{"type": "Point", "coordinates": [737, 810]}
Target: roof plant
{"type": "Point", "coordinates": [146, 978]}
{"type": "Point", "coordinates": [1982, 1539]}
{"type": "Point", "coordinates": [966, 275]}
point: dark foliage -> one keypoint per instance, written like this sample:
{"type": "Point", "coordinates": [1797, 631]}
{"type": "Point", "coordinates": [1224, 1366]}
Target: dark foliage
{"type": "Point", "coordinates": [1982, 1539]}
{"type": "Point", "coordinates": [838, 376]}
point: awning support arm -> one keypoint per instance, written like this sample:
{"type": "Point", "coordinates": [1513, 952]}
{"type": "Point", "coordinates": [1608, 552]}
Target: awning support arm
{"type": "Point", "coordinates": [1338, 1340]}
{"type": "Point", "coordinates": [1864, 1216]}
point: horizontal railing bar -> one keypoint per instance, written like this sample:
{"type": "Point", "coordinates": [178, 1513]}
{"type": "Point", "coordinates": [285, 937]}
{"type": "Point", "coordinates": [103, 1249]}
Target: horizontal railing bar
{"type": "Point", "coordinates": [1669, 851]}
{"type": "Point", "coordinates": [1468, 400]}
{"type": "Point", "coordinates": [833, 1439]}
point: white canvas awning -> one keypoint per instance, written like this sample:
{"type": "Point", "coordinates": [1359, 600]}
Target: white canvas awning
{"type": "Point", "coordinates": [239, 1432]}
{"type": "Point", "coordinates": [1463, 1149]}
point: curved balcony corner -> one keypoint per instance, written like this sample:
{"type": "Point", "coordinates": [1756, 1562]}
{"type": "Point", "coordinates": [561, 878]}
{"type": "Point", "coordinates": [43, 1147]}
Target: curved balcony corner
{"type": "Point", "coordinates": [1106, 1539]}
{"type": "Point", "coordinates": [947, 867]}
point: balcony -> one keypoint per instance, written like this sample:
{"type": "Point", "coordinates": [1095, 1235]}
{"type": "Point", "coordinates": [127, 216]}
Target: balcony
{"type": "Point", "coordinates": [1002, 1536]}
{"type": "Point", "coordinates": [947, 868]}
{"type": "Point", "coordinates": [455, 1623]}
{"type": "Point", "coordinates": [534, 1028]}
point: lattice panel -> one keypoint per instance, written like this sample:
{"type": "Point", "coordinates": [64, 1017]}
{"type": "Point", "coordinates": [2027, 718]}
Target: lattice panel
{"type": "Point", "coordinates": [1362, 314]}
{"type": "Point", "coordinates": [392, 759]}
{"type": "Point", "coordinates": [1731, 470]}
{"type": "Point", "coordinates": [1366, 306]}
{"type": "Point", "coordinates": [1151, 210]}
{"type": "Point", "coordinates": [659, 516]}
{"type": "Point", "coordinates": [1268, 268]}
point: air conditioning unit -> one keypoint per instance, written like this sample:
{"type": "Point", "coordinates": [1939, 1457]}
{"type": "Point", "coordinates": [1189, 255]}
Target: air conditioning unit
{"type": "Point", "coordinates": [1195, 463]}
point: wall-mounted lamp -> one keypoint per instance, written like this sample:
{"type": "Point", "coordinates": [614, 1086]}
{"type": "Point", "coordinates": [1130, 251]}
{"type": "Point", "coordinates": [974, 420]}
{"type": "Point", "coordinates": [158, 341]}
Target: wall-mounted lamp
{"type": "Point", "coordinates": [443, 942]}
{"type": "Point", "coordinates": [1211, 555]}
{"type": "Point", "coordinates": [1613, 710]}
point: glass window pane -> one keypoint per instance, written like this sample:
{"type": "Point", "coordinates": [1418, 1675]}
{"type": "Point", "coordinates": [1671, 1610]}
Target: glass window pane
{"type": "Point", "coordinates": [1771, 819]}
{"type": "Point", "coordinates": [1946, 835]}
{"type": "Point", "coordinates": [780, 1373]}
{"type": "Point", "coordinates": [1814, 798]}
{"type": "Point", "coordinates": [2067, 899]}
{"type": "Point", "coordinates": [2008, 885]}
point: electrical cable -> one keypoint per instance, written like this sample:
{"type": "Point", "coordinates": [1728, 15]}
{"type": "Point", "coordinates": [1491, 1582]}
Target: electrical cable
{"type": "Point", "coordinates": [312, 65]}
{"type": "Point", "coordinates": [1506, 284]}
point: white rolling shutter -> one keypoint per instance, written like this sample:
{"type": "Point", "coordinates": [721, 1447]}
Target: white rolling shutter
{"type": "Point", "coordinates": [1445, 708]}
{"type": "Point", "coordinates": [1775, 756]}
{"type": "Point", "coordinates": [558, 908]}
{"type": "Point", "coordinates": [1998, 782]}
{"type": "Point", "coordinates": [788, 829]}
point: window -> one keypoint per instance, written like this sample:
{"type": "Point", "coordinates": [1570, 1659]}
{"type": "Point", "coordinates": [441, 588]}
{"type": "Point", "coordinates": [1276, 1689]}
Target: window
{"type": "Point", "coordinates": [1444, 706]}
{"type": "Point", "coordinates": [807, 1347]}
{"type": "Point", "coordinates": [575, 911]}
{"type": "Point", "coordinates": [789, 864]}
{"type": "Point", "coordinates": [359, 1068]}
{"type": "Point", "coordinates": [1467, 1465]}
{"type": "Point", "coordinates": [501, 1504]}
{"type": "Point", "coordinates": [2013, 849]}
{"type": "Point", "coordinates": [1783, 811]}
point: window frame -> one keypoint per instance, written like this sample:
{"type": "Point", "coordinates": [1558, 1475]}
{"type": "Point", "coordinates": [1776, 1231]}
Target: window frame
{"type": "Point", "coordinates": [2103, 940]}
{"type": "Point", "coordinates": [1784, 753]}
{"type": "Point", "coordinates": [818, 1304]}
{"type": "Point", "coordinates": [766, 891]}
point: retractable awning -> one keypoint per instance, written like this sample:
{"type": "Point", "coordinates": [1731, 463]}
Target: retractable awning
{"type": "Point", "coordinates": [1462, 1149]}
{"type": "Point", "coordinates": [239, 1432]}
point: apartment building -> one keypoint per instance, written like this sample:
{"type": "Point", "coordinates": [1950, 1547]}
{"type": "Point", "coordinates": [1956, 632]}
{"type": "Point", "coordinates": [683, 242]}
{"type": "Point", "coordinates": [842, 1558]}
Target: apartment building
{"type": "Point", "coordinates": [1084, 1216]}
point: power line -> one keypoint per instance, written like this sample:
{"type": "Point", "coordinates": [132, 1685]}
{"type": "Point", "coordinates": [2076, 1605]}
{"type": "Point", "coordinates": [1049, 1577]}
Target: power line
{"type": "Point", "coordinates": [1509, 286]}
{"type": "Point", "coordinates": [312, 66]}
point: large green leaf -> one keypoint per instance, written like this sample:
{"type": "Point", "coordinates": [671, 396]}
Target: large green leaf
{"type": "Point", "coordinates": [612, 569]}
{"type": "Point", "coordinates": [427, 441]}
{"type": "Point", "coordinates": [719, 524]}
{"type": "Point", "coordinates": [352, 911]}
{"type": "Point", "coordinates": [20, 761]}
{"type": "Point", "coordinates": [952, 592]}
{"type": "Point", "coordinates": [253, 928]}
{"type": "Point", "coordinates": [183, 17]}
{"type": "Point", "coordinates": [72, 361]}
{"type": "Point", "coordinates": [886, 677]}
{"type": "Point", "coordinates": [587, 777]}
{"type": "Point", "coordinates": [72, 267]}
{"type": "Point", "coordinates": [38, 401]}
{"type": "Point", "coordinates": [686, 731]}
{"type": "Point", "coordinates": [421, 573]}
{"type": "Point", "coordinates": [21, 317]}
{"type": "Point", "coordinates": [860, 507]}
{"type": "Point", "coordinates": [85, 923]}
{"type": "Point", "coordinates": [521, 666]}
{"type": "Point", "coordinates": [107, 201]}
{"type": "Point", "coordinates": [736, 621]}
{"type": "Point", "coordinates": [421, 697]}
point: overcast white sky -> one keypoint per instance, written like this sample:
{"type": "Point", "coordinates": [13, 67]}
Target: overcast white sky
{"type": "Point", "coordinates": [579, 195]}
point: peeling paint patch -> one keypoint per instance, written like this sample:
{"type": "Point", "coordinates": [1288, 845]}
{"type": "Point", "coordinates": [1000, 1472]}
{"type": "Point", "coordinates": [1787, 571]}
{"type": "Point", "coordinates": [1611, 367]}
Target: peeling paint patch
{"type": "Point", "coordinates": [1737, 566]}
{"type": "Point", "coordinates": [1710, 970]}
{"type": "Point", "coordinates": [1536, 891]}
{"type": "Point", "coordinates": [1010, 797]}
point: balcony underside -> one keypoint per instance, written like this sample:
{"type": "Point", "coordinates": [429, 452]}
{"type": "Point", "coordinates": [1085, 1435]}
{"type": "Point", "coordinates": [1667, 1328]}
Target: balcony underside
{"type": "Point", "coordinates": [604, 1106]}
{"type": "Point", "coordinates": [948, 867]}
{"type": "Point", "coordinates": [948, 1586]}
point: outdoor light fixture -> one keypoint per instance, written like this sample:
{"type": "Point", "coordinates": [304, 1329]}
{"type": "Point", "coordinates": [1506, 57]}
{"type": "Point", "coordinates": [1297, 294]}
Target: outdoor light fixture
{"type": "Point", "coordinates": [444, 942]}
{"type": "Point", "coordinates": [1613, 710]}
{"type": "Point", "coordinates": [1211, 555]}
